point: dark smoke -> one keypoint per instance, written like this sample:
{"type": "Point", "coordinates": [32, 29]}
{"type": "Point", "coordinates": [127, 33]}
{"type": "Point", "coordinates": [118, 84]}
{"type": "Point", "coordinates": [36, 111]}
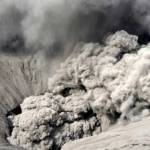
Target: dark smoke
{"type": "Point", "coordinates": [53, 26]}
{"type": "Point", "coordinates": [97, 24]}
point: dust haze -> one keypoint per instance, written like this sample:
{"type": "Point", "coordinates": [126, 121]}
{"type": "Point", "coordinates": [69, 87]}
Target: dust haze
{"type": "Point", "coordinates": [56, 26]}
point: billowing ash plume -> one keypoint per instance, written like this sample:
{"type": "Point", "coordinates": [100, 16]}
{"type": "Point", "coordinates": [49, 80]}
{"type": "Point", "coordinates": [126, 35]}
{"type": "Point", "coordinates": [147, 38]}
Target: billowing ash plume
{"type": "Point", "coordinates": [52, 28]}
{"type": "Point", "coordinates": [52, 25]}
{"type": "Point", "coordinates": [96, 87]}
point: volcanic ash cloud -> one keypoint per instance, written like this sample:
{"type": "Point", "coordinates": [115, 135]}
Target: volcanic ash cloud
{"type": "Point", "coordinates": [97, 86]}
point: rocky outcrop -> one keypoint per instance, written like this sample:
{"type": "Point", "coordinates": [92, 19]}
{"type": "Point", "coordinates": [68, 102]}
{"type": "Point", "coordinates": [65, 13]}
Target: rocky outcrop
{"type": "Point", "coordinates": [133, 136]}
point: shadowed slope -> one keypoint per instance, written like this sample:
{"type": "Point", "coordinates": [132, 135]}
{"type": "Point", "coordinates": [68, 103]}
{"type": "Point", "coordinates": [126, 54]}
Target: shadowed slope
{"type": "Point", "coordinates": [19, 78]}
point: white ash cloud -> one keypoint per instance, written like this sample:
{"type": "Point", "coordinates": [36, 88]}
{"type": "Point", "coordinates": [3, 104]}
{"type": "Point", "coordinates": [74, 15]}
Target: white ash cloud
{"type": "Point", "coordinates": [111, 80]}
{"type": "Point", "coordinates": [97, 86]}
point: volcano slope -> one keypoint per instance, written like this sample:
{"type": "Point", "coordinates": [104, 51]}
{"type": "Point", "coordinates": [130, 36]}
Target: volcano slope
{"type": "Point", "coordinates": [134, 136]}
{"type": "Point", "coordinates": [95, 88]}
{"type": "Point", "coordinates": [20, 77]}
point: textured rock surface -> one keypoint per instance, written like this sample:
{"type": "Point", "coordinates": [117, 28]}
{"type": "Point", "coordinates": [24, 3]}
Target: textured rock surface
{"type": "Point", "coordinates": [96, 86]}
{"type": "Point", "coordinates": [135, 136]}
{"type": "Point", "coordinates": [20, 78]}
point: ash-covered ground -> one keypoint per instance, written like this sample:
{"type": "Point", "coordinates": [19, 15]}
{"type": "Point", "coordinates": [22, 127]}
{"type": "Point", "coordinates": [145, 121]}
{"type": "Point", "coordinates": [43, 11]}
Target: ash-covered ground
{"type": "Point", "coordinates": [98, 85]}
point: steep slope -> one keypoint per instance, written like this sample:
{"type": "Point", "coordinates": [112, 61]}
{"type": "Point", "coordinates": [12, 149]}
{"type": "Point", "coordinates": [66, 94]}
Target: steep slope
{"type": "Point", "coordinates": [134, 136]}
{"type": "Point", "coordinates": [20, 77]}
